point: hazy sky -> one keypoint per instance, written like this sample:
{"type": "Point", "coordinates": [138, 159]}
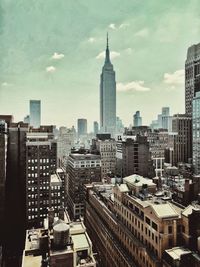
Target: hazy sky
{"type": "Point", "coordinates": [53, 50]}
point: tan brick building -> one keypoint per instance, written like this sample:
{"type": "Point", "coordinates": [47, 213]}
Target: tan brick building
{"type": "Point", "coordinates": [130, 226]}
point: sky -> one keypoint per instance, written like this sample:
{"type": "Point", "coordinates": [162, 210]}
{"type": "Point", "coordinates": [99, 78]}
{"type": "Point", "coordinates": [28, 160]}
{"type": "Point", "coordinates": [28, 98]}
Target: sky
{"type": "Point", "coordinates": [53, 50]}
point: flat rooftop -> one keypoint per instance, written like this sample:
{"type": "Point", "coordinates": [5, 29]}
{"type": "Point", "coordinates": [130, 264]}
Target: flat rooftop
{"type": "Point", "coordinates": [88, 156]}
{"type": "Point", "coordinates": [80, 242]}
{"type": "Point", "coordinates": [32, 261]}
{"type": "Point", "coordinates": [165, 210]}
{"type": "Point", "coordinates": [138, 181]}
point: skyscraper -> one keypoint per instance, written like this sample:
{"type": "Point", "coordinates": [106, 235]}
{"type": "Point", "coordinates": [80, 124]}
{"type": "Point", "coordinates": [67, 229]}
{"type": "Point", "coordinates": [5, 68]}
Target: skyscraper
{"type": "Point", "coordinates": [82, 127]}
{"type": "Point", "coordinates": [192, 76]}
{"type": "Point", "coordinates": [182, 125]}
{"type": "Point", "coordinates": [40, 165]}
{"type": "Point", "coordinates": [137, 119]}
{"type": "Point", "coordinates": [166, 119]}
{"type": "Point", "coordinates": [106, 147]}
{"type": "Point", "coordinates": [196, 133]}
{"type": "Point", "coordinates": [165, 111]}
{"type": "Point", "coordinates": [35, 113]}
{"type": "Point", "coordinates": [82, 169]}
{"type": "Point", "coordinates": [3, 156]}
{"type": "Point", "coordinates": [133, 157]}
{"type": "Point", "coordinates": [96, 127]}
{"type": "Point", "coordinates": [107, 96]}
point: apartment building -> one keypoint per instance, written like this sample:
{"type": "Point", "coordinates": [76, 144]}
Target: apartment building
{"type": "Point", "coordinates": [132, 224]}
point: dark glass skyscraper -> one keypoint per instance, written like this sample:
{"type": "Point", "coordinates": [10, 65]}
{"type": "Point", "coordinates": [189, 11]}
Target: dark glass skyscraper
{"type": "Point", "coordinates": [108, 96]}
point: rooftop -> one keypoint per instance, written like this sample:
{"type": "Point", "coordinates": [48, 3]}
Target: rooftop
{"type": "Point", "coordinates": [137, 180]}
{"type": "Point", "coordinates": [165, 210]}
{"type": "Point", "coordinates": [32, 253]}
{"type": "Point", "coordinates": [31, 261]}
{"type": "Point", "coordinates": [188, 210]}
{"type": "Point", "coordinates": [176, 252]}
{"type": "Point", "coordinates": [123, 188]}
{"type": "Point", "coordinates": [87, 156]}
{"type": "Point", "coordinates": [80, 241]}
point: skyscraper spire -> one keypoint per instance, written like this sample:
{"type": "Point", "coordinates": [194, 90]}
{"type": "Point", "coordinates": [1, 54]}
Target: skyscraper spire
{"type": "Point", "coordinates": [108, 95]}
{"type": "Point", "coordinates": [107, 59]}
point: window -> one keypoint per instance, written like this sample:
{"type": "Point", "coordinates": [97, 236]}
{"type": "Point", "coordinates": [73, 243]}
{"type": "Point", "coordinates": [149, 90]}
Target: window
{"type": "Point", "coordinates": [154, 225]}
{"type": "Point", "coordinates": [170, 243]}
{"type": "Point", "coordinates": [179, 228]}
{"type": "Point", "coordinates": [170, 229]}
{"type": "Point", "coordinates": [147, 220]}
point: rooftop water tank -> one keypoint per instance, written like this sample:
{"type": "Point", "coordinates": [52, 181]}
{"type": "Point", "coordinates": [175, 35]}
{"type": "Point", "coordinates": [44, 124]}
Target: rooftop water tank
{"type": "Point", "coordinates": [60, 234]}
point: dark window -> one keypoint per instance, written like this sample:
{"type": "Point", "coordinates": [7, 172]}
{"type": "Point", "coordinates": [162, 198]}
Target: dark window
{"type": "Point", "coordinates": [170, 243]}
{"type": "Point", "coordinates": [147, 220]}
{"type": "Point", "coordinates": [170, 229]}
{"type": "Point", "coordinates": [154, 225]}
{"type": "Point", "coordinates": [179, 228]}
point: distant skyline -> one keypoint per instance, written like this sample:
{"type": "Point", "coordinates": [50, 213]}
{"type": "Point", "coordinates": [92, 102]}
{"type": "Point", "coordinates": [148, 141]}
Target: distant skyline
{"type": "Point", "coordinates": [53, 51]}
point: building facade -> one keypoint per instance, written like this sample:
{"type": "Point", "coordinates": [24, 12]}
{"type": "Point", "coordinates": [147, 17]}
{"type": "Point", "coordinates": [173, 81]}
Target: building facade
{"type": "Point", "coordinates": [82, 169]}
{"type": "Point", "coordinates": [182, 125]}
{"type": "Point", "coordinates": [107, 96]}
{"type": "Point", "coordinates": [130, 225]}
{"type": "Point", "coordinates": [196, 133]}
{"type": "Point", "coordinates": [82, 127]}
{"type": "Point", "coordinates": [95, 127]}
{"type": "Point", "coordinates": [137, 119]}
{"type": "Point", "coordinates": [59, 242]}
{"type": "Point", "coordinates": [107, 150]}
{"type": "Point", "coordinates": [133, 156]}
{"type": "Point", "coordinates": [65, 142]}
{"type": "Point", "coordinates": [15, 190]}
{"type": "Point", "coordinates": [40, 165]}
{"type": "Point", "coordinates": [35, 113]}
{"type": "Point", "coordinates": [3, 159]}
{"type": "Point", "coordinates": [192, 76]}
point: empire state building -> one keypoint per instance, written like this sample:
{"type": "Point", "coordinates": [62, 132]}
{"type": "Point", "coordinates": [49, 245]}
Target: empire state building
{"type": "Point", "coordinates": [107, 96]}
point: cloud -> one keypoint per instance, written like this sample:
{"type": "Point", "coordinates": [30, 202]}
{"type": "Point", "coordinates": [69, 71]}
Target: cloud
{"type": "Point", "coordinates": [112, 26]}
{"type": "Point", "coordinates": [142, 33]}
{"type": "Point", "coordinates": [124, 25]}
{"type": "Point", "coordinates": [113, 54]}
{"type": "Point", "coordinates": [91, 40]}
{"type": "Point", "coordinates": [134, 86]}
{"type": "Point", "coordinates": [129, 50]}
{"type": "Point", "coordinates": [175, 78]}
{"type": "Point", "coordinates": [50, 69]}
{"type": "Point", "coordinates": [57, 56]}
{"type": "Point", "coordinates": [6, 84]}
